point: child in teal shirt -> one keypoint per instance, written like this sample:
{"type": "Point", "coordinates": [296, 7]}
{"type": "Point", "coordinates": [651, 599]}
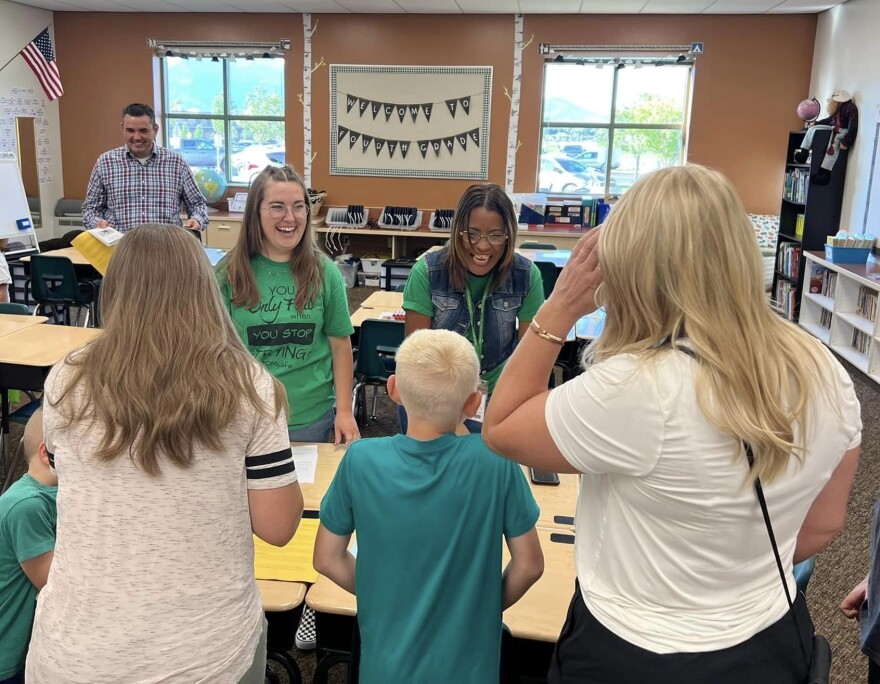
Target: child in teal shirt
{"type": "Point", "coordinates": [27, 540]}
{"type": "Point", "coordinates": [430, 509]}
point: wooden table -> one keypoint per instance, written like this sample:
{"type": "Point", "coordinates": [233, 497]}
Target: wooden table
{"type": "Point", "coordinates": [281, 596]}
{"type": "Point", "coordinates": [538, 616]}
{"type": "Point", "coordinates": [329, 457]}
{"type": "Point", "coordinates": [366, 312]}
{"type": "Point", "coordinates": [71, 253]}
{"type": "Point", "coordinates": [10, 323]}
{"type": "Point", "coordinates": [557, 502]}
{"type": "Point", "coordinates": [393, 300]}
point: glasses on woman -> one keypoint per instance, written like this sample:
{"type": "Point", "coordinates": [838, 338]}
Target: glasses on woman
{"type": "Point", "coordinates": [279, 209]}
{"type": "Point", "coordinates": [474, 237]}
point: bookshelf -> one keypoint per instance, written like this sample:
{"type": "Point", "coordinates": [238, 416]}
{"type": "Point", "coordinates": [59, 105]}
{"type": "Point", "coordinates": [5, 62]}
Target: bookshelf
{"type": "Point", "coordinates": [839, 305]}
{"type": "Point", "coordinates": [809, 214]}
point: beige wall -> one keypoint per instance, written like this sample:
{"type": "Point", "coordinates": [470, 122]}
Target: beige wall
{"type": "Point", "coordinates": [743, 106]}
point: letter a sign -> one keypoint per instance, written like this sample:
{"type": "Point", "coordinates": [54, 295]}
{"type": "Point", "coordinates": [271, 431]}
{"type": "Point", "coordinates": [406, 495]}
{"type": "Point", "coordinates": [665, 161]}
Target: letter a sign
{"type": "Point", "coordinates": [696, 48]}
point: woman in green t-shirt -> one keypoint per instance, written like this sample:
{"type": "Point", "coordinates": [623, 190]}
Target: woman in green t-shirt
{"type": "Point", "coordinates": [289, 305]}
{"type": "Point", "coordinates": [477, 285]}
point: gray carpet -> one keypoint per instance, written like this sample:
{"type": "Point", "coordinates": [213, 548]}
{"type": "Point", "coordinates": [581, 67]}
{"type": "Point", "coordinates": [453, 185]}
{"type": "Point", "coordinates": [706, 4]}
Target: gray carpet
{"type": "Point", "coordinates": [840, 567]}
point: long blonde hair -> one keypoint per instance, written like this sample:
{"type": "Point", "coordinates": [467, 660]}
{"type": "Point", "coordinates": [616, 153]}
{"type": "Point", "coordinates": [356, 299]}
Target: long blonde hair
{"type": "Point", "coordinates": [305, 260]}
{"type": "Point", "coordinates": [679, 259]}
{"type": "Point", "coordinates": [168, 371]}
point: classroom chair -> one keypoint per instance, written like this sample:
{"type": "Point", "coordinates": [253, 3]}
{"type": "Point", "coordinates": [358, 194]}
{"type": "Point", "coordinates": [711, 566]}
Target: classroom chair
{"type": "Point", "coordinates": [537, 245]}
{"type": "Point", "coordinates": [802, 573]}
{"type": "Point", "coordinates": [377, 345]}
{"type": "Point", "coordinates": [13, 308]}
{"type": "Point", "coordinates": [53, 283]}
{"type": "Point", "coordinates": [549, 274]}
{"type": "Point", "coordinates": [400, 287]}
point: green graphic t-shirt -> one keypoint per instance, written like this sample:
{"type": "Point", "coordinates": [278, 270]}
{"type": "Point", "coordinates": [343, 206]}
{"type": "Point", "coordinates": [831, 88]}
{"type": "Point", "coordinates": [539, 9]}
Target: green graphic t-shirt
{"type": "Point", "coordinates": [293, 344]}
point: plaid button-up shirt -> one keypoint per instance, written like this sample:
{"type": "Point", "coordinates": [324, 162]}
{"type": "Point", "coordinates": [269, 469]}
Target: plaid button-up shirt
{"type": "Point", "coordinates": [127, 193]}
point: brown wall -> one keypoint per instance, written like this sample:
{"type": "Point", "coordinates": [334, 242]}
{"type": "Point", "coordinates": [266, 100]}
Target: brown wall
{"type": "Point", "coordinates": [27, 155]}
{"type": "Point", "coordinates": [743, 102]}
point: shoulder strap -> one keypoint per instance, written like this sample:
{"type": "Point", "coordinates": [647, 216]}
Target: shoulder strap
{"type": "Point", "coordinates": [760, 492]}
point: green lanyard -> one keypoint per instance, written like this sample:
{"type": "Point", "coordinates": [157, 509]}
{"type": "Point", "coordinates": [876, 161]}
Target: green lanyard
{"type": "Point", "coordinates": [477, 336]}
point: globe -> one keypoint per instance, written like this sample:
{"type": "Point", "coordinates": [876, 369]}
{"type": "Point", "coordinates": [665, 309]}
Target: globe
{"type": "Point", "coordinates": [808, 110]}
{"type": "Point", "coordinates": [212, 183]}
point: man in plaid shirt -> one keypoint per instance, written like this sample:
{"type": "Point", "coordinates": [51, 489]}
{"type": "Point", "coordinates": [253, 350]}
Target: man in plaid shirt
{"type": "Point", "coordinates": [141, 182]}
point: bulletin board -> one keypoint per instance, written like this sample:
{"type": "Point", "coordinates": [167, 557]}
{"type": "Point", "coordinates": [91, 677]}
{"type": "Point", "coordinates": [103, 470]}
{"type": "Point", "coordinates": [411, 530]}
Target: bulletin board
{"type": "Point", "coordinates": [410, 121]}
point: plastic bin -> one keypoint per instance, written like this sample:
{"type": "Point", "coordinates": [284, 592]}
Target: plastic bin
{"type": "Point", "coordinates": [847, 255]}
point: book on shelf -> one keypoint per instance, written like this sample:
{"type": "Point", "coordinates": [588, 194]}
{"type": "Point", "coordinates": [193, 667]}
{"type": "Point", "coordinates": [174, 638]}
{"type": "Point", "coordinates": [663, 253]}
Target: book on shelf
{"type": "Point", "coordinates": [825, 319]}
{"type": "Point", "coordinates": [788, 259]}
{"type": "Point", "coordinates": [861, 341]}
{"type": "Point", "coordinates": [829, 283]}
{"type": "Point", "coordinates": [817, 276]}
{"type": "Point", "coordinates": [795, 185]}
{"type": "Point", "coordinates": [786, 299]}
{"type": "Point", "coordinates": [866, 307]}
{"type": "Point", "coordinates": [799, 226]}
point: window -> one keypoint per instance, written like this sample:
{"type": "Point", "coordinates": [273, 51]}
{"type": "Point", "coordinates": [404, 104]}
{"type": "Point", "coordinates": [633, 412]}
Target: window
{"type": "Point", "coordinates": [606, 121]}
{"type": "Point", "coordinates": [224, 113]}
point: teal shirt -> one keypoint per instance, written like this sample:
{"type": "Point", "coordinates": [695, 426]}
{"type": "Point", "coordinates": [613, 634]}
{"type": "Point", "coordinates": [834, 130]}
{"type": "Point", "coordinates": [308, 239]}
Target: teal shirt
{"type": "Point", "coordinates": [27, 530]}
{"type": "Point", "coordinates": [417, 297]}
{"type": "Point", "coordinates": [293, 344]}
{"type": "Point", "coordinates": [430, 519]}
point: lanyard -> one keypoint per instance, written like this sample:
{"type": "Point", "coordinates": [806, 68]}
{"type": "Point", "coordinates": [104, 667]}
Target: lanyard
{"type": "Point", "coordinates": [477, 336]}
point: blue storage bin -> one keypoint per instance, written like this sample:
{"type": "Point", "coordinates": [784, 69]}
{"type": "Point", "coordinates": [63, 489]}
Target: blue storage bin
{"type": "Point", "coordinates": [847, 255]}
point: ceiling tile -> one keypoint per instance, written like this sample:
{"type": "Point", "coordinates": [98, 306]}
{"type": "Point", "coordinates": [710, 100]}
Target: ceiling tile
{"type": "Point", "coordinates": [429, 6]}
{"type": "Point", "coordinates": [810, 6]}
{"type": "Point", "coordinates": [605, 7]}
{"type": "Point", "coordinates": [56, 5]}
{"type": "Point", "coordinates": [360, 6]}
{"type": "Point", "coordinates": [676, 6]}
{"type": "Point", "coordinates": [489, 6]}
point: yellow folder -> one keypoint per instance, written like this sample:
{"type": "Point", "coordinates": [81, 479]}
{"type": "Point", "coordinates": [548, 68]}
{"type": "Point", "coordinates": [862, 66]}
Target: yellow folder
{"type": "Point", "coordinates": [290, 563]}
{"type": "Point", "coordinates": [94, 251]}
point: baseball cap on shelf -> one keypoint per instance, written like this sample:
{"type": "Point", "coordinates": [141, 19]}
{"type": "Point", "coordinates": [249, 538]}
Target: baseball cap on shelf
{"type": "Point", "coordinates": [841, 95]}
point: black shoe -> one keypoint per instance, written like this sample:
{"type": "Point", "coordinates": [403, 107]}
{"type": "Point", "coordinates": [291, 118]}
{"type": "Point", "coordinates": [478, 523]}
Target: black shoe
{"type": "Point", "coordinates": [801, 155]}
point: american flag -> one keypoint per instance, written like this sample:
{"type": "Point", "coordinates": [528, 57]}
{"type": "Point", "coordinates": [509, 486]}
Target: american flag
{"type": "Point", "coordinates": [41, 59]}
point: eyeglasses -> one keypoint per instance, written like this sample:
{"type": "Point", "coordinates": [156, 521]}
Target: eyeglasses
{"type": "Point", "coordinates": [474, 237]}
{"type": "Point", "coordinates": [279, 210]}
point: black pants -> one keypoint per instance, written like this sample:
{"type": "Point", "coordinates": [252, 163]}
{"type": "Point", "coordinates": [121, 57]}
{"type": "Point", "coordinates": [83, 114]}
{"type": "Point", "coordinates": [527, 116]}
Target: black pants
{"type": "Point", "coordinates": [588, 653]}
{"type": "Point", "coordinates": [873, 672]}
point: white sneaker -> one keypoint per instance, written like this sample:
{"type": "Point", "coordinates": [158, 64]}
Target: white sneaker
{"type": "Point", "coordinates": [305, 633]}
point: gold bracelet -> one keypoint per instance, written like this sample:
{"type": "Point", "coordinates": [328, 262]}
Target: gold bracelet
{"type": "Point", "coordinates": [545, 334]}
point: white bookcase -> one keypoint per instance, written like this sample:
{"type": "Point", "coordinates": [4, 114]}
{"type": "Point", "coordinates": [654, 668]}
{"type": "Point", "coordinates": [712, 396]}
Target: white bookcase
{"type": "Point", "coordinates": [834, 316]}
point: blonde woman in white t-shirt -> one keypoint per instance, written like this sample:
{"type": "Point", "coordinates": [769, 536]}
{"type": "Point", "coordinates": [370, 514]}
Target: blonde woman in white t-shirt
{"type": "Point", "coordinates": [170, 446]}
{"type": "Point", "coordinates": [676, 578]}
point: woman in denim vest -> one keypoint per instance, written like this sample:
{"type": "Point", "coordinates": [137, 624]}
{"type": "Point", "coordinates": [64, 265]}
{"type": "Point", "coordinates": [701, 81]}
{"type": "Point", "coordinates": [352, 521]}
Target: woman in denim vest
{"type": "Point", "coordinates": [477, 286]}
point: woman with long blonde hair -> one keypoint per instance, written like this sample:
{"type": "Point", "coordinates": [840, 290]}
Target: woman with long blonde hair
{"type": "Point", "coordinates": [288, 303]}
{"type": "Point", "coordinates": [170, 445]}
{"type": "Point", "coordinates": [676, 577]}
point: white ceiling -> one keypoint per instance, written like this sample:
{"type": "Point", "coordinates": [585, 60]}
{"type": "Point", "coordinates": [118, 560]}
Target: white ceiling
{"type": "Point", "coordinates": [446, 6]}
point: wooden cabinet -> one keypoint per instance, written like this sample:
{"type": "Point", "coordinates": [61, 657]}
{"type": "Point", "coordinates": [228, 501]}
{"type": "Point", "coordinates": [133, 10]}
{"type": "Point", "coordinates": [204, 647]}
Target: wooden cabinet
{"type": "Point", "coordinates": [222, 231]}
{"type": "Point", "coordinates": [810, 212]}
{"type": "Point", "coordinates": [839, 306]}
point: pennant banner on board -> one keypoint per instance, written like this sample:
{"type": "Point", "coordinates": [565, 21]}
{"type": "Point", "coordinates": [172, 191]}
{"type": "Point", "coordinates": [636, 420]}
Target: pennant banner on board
{"type": "Point", "coordinates": [401, 112]}
{"type": "Point", "coordinates": [363, 105]}
{"type": "Point", "coordinates": [436, 144]}
{"type": "Point", "coordinates": [389, 110]}
{"type": "Point", "coordinates": [475, 136]}
{"type": "Point", "coordinates": [352, 139]}
{"type": "Point", "coordinates": [414, 112]}
{"type": "Point", "coordinates": [392, 145]}
{"type": "Point", "coordinates": [404, 148]}
{"type": "Point", "coordinates": [366, 141]}
{"type": "Point", "coordinates": [462, 139]}
{"type": "Point", "coordinates": [341, 134]}
{"type": "Point", "coordinates": [452, 104]}
{"type": "Point", "coordinates": [375, 107]}
{"type": "Point", "coordinates": [378, 144]}
{"type": "Point", "coordinates": [424, 145]}
{"type": "Point", "coordinates": [349, 102]}
{"type": "Point", "coordinates": [427, 108]}
{"type": "Point", "coordinates": [449, 143]}
{"type": "Point", "coordinates": [465, 104]}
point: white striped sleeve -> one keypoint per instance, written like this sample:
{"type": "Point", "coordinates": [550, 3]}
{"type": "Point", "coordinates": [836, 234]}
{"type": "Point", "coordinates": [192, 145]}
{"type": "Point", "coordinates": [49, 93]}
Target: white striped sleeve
{"type": "Point", "coordinates": [268, 461]}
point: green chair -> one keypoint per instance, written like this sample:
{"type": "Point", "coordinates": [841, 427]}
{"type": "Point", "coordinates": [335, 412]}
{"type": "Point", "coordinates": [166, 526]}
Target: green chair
{"type": "Point", "coordinates": [53, 283]}
{"type": "Point", "coordinates": [537, 245]}
{"type": "Point", "coordinates": [13, 308]}
{"type": "Point", "coordinates": [378, 343]}
{"type": "Point", "coordinates": [549, 274]}
{"type": "Point", "coordinates": [400, 287]}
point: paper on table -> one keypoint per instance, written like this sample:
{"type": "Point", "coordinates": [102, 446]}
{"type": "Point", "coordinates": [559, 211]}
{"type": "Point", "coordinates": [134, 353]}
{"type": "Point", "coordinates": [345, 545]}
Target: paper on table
{"type": "Point", "coordinates": [291, 563]}
{"type": "Point", "coordinates": [306, 460]}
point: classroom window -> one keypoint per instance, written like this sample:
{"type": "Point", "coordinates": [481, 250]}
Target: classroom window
{"type": "Point", "coordinates": [225, 114]}
{"type": "Point", "coordinates": [604, 125]}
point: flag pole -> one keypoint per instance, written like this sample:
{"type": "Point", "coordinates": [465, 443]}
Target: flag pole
{"type": "Point", "coordinates": [19, 52]}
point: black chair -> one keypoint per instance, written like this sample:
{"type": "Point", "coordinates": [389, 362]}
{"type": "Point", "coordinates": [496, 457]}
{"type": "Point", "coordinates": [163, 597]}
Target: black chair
{"type": "Point", "coordinates": [377, 345]}
{"type": "Point", "coordinates": [53, 283]}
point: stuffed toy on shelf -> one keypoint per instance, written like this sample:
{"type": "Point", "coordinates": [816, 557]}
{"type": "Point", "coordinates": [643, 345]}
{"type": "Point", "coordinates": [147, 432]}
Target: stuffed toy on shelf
{"type": "Point", "coordinates": [843, 122]}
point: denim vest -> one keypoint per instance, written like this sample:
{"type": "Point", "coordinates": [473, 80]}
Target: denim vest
{"type": "Point", "coordinates": [502, 306]}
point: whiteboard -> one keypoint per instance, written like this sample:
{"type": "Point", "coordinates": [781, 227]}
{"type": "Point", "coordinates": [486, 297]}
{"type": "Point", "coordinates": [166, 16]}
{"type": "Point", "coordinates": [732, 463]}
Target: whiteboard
{"type": "Point", "coordinates": [871, 221]}
{"type": "Point", "coordinates": [15, 216]}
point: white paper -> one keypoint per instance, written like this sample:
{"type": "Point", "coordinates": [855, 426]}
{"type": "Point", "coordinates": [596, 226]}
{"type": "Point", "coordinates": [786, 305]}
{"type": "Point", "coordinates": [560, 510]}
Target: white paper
{"type": "Point", "coordinates": [306, 460]}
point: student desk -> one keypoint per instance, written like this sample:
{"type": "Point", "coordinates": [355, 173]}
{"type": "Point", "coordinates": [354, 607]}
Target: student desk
{"type": "Point", "coordinates": [558, 257]}
{"type": "Point", "coordinates": [71, 253]}
{"type": "Point", "coordinates": [534, 621]}
{"type": "Point", "coordinates": [329, 457]}
{"type": "Point", "coordinates": [393, 300]}
{"type": "Point", "coordinates": [557, 502]}
{"type": "Point", "coordinates": [10, 323]}
{"type": "Point", "coordinates": [368, 312]}
{"type": "Point", "coordinates": [282, 604]}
